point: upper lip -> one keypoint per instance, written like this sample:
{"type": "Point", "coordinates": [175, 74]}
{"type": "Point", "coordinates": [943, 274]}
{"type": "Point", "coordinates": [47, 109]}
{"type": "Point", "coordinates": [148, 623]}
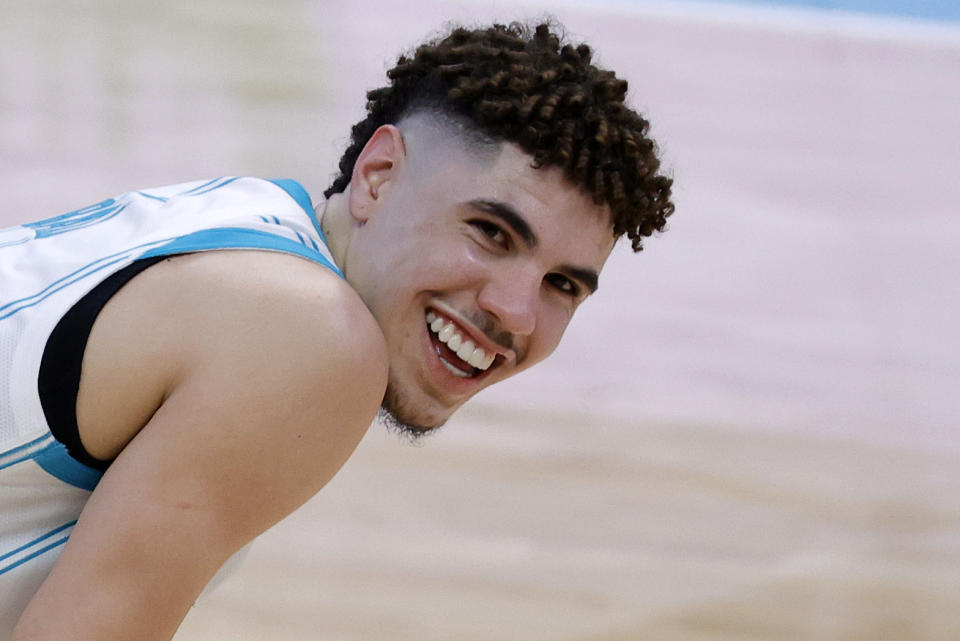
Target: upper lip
{"type": "Point", "coordinates": [479, 338]}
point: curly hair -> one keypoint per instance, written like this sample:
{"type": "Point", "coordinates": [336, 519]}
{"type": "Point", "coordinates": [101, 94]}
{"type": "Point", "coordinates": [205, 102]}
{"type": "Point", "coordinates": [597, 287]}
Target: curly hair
{"type": "Point", "coordinates": [527, 87]}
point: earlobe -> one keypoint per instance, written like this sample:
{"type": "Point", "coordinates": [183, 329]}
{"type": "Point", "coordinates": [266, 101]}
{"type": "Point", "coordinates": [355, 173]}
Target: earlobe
{"type": "Point", "coordinates": [376, 167]}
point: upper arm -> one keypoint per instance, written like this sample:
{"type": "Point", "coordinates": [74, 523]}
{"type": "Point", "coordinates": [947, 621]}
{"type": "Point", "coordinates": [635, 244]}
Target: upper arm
{"type": "Point", "coordinates": [261, 387]}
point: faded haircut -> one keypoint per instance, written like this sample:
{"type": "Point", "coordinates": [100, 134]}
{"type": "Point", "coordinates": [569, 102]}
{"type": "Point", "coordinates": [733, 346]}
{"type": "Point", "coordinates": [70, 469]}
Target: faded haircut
{"type": "Point", "coordinates": [526, 86]}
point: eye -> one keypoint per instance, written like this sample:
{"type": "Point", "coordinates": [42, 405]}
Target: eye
{"type": "Point", "coordinates": [563, 284]}
{"type": "Point", "coordinates": [492, 231]}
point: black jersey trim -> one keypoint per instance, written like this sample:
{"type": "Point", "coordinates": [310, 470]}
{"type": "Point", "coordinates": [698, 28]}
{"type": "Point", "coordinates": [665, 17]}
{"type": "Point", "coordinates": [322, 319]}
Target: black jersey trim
{"type": "Point", "coordinates": [59, 379]}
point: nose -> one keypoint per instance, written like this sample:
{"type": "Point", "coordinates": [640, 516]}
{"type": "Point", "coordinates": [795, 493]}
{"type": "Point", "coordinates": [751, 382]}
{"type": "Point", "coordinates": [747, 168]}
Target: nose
{"type": "Point", "coordinates": [512, 298]}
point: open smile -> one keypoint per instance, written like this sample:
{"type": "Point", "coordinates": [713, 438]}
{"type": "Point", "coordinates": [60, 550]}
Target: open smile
{"type": "Point", "coordinates": [456, 350]}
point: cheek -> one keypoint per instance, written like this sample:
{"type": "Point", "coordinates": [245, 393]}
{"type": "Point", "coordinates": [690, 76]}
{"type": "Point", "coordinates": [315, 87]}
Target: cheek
{"type": "Point", "coordinates": [554, 325]}
{"type": "Point", "coordinates": [551, 324]}
{"type": "Point", "coordinates": [447, 267]}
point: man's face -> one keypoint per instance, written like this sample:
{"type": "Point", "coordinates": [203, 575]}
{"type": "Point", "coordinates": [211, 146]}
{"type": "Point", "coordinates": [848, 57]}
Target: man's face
{"type": "Point", "coordinates": [464, 247]}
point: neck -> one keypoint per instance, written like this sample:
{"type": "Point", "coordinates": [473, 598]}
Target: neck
{"type": "Point", "coordinates": [335, 223]}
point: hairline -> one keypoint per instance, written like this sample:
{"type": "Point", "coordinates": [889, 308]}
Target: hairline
{"type": "Point", "coordinates": [461, 128]}
{"type": "Point", "coordinates": [480, 145]}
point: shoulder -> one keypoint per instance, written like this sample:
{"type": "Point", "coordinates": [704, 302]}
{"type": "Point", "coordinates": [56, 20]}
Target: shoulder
{"type": "Point", "coordinates": [271, 309]}
{"type": "Point", "coordinates": [255, 292]}
{"type": "Point", "coordinates": [235, 384]}
{"type": "Point", "coordinates": [274, 326]}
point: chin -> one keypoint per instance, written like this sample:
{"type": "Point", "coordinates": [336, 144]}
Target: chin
{"type": "Point", "coordinates": [409, 418]}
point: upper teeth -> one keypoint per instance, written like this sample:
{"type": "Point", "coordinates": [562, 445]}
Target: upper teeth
{"type": "Point", "coordinates": [447, 333]}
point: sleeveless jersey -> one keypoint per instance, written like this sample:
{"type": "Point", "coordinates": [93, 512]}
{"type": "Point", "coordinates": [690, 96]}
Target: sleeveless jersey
{"type": "Point", "coordinates": [45, 268]}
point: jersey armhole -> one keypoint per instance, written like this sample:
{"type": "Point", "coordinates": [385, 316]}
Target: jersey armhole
{"type": "Point", "coordinates": [59, 379]}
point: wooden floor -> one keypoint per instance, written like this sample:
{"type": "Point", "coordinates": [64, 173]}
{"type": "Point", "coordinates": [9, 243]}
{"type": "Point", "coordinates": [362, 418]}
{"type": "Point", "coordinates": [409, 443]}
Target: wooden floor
{"type": "Point", "coordinates": [752, 433]}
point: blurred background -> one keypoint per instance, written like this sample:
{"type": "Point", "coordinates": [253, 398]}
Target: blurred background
{"type": "Point", "coordinates": [752, 432]}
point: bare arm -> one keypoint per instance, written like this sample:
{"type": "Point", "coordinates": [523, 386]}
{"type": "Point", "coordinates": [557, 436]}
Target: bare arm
{"type": "Point", "coordinates": [234, 385]}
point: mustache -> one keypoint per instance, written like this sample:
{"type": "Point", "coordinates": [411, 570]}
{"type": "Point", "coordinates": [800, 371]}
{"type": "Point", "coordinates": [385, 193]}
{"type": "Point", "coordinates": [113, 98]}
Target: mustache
{"type": "Point", "coordinates": [491, 328]}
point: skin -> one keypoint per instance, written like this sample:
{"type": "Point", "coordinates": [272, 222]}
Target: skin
{"type": "Point", "coordinates": [229, 421]}
{"type": "Point", "coordinates": [248, 378]}
{"type": "Point", "coordinates": [412, 202]}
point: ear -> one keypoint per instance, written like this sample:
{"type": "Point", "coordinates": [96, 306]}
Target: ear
{"type": "Point", "coordinates": [378, 165]}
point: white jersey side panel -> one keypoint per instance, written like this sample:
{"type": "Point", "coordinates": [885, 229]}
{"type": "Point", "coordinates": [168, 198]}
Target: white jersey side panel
{"type": "Point", "coordinates": [45, 268]}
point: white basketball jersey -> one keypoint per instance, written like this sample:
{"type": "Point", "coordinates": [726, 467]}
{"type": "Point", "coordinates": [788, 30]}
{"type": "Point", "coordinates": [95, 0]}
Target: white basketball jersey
{"type": "Point", "coordinates": [45, 268]}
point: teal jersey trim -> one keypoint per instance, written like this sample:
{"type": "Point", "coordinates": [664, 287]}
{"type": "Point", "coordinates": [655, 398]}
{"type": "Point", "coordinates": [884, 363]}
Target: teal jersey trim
{"type": "Point", "coordinates": [299, 194]}
{"type": "Point", "coordinates": [76, 219]}
{"type": "Point", "coordinates": [25, 553]}
{"type": "Point", "coordinates": [20, 304]}
{"type": "Point", "coordinates": [56, 461]}
{"type": "Point", "coordinates": [239, 238]}
{"type": "Point", "coordinates": [24, 452]}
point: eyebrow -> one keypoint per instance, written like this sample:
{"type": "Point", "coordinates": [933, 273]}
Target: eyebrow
{"type": "Point", "coordinates": [512, 218]}
{"type": "Point", "coordinates": [509, 216]}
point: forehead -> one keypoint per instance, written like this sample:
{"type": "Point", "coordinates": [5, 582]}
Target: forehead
{"type": "Point", "coordinates": [451, 169]}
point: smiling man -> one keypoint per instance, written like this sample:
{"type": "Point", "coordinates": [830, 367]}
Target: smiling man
{"type": "Point", "coordinates": [184, 366]}
{"type": "Point", "coordinates": [476, 276]}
